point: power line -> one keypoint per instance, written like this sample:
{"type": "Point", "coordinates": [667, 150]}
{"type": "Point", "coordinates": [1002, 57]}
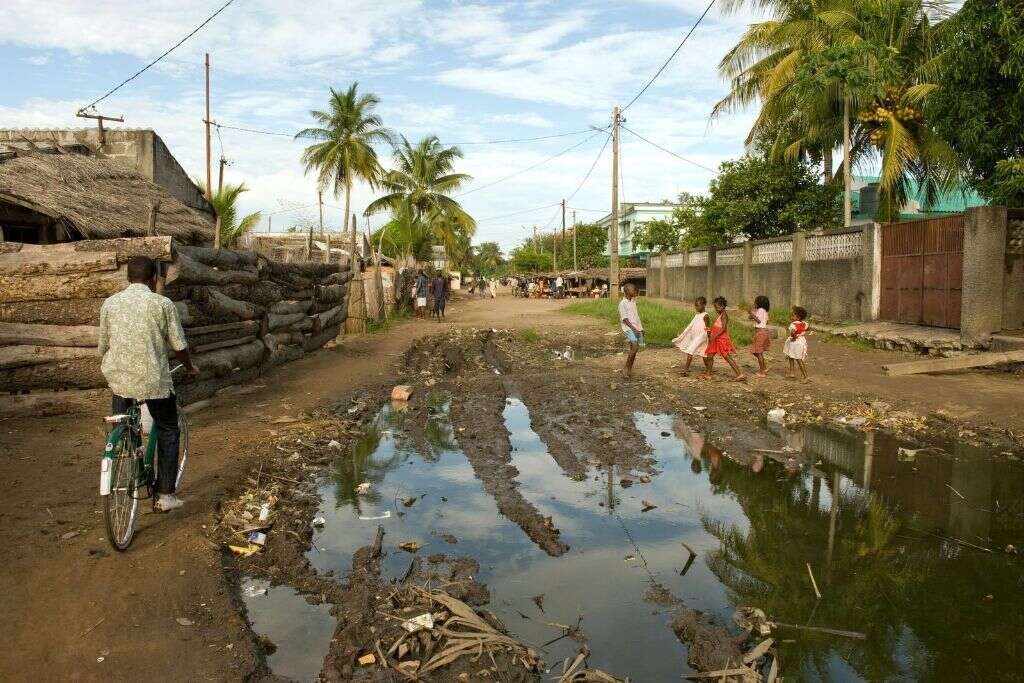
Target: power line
{"type": "Point", "coordinates": [542, 137]}
{"type": "Point", "coordinates": [668, 151]}
{"type": "Point", "coordinates": [145, 68]}
{"type": "Point", "coordinates": [516, 213]}
{"type": "Point", "coordinates": [530, 168]}
{"type": "Point", "coordinates": [671, 56]}
{"type": "Point", "coordinates": [592, 167]}
{"type": "Point", "coordinates": [253, 130]}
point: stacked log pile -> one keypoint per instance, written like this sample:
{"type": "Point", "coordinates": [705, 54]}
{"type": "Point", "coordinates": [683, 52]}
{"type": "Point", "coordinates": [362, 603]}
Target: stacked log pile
{"type": "Point", "coordinates": [242, 313]}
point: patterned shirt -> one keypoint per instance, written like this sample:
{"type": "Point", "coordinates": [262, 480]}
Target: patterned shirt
{"type": "Point", "coordinates": [136, 327]}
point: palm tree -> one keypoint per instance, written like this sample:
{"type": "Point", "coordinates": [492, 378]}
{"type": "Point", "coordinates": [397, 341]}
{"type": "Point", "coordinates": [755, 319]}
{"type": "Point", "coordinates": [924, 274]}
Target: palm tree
{"type": "Point", "coordinates": [344, 137]}
{"type": "Point", "coordinates": [424, 176]}
{"type": "Point", "coordinates": [405, 235]}
{"type": "Point", "coordinates": [224, 202]}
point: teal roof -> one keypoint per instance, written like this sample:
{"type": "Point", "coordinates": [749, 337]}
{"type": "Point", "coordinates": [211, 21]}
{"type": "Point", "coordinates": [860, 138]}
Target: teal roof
{"type": "Point", "coordinates": [954, 201]}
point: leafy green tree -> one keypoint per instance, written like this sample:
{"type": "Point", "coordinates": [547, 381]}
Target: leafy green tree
{"type": "Point", "coordinates": [756, 197]}
{"type": "Point", "coordinates": [526, 259]}
{"type": "Point", "coordinates": [487, 257]}
{"type": "Point", "coordinates": [979, 106]}
{"type": "Point", "coordinates": [591, 243]}
{"type": "Point", "coordinates": [344, 136]}
{"type": "Point", "coordinates": [405, 235]}
{"type": "Point", "coordinates": [225, 203]}
{"type": "Point", "coordinates": [657, 235]}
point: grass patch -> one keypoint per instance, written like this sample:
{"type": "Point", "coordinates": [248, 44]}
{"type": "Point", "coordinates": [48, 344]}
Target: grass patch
{"type": "Point", "coordinates": [661, 323]}
{"type": "Point", "coordinates": [375, 326]}
{"type": "Point", "coordinates": [529, 335]}
{"type": "Point", "coordinates": [855, 343]}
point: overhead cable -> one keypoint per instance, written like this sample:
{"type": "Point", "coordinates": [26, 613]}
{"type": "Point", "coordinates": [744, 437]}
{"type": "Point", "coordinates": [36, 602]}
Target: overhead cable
{"type": "Point", "coordinates": [145, 68]}
{"type": "Point", "coordinates": [670, 57]}
{"type": "Point", "coordinates": [668, 151]}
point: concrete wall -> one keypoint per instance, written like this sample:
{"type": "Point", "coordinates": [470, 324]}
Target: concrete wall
{"type": "Point", "coordinates": [1013, 272]}
{"type": "Point", "coordinates": [981, 301]}
{"type": "Point", "coordinates": [141, 150]}
{"type": "Point", "coordinates": [824, 273]}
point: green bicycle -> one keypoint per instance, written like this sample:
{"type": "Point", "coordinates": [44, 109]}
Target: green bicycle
{"type": "Point", "coordinates": [128, 471]}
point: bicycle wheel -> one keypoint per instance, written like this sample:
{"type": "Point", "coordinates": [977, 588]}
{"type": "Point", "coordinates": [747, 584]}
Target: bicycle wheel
{"type": "Point", "coordinates": [183, 445]}
{"type": "Point", "coordinates": [121, 505]}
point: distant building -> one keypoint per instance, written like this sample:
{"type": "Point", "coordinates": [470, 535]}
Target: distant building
{"type": "Point", "coordinates": [864, 198]}
{"type": "Point", "coordinates": [632, 214]}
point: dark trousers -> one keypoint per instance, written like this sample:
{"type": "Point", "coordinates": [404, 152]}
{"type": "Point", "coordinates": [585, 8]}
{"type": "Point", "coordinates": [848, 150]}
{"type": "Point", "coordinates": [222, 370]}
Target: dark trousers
{"type": "Point", "coordinates": [165, 422]}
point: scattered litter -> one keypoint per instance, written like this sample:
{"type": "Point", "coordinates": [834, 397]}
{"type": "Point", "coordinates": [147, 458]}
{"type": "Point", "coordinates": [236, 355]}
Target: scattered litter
{"type": "Point", "coordinates": [68, 536]}
{"type": "Point", "coordinates": [319, 521]}
{"type": "Point", "coordinates": [367, 659]}
{"type": "Point", "coordinates": [244, 551]}
{"type": "Point", "coordinates": [956, 492]}
{"type": "Point", "coordinates": [258, 538]}
{"type": "Point", "coordinates": [629, 558]}
{"type": "Point", "coordinates": [647, 505]}
{"type": "Point", "coordinates": [285, 420]}
{"type": "Point", "coordinates": [700, 408]}
{"type": "Point", "coordinates": [1011, 550]}
{"type": "Point", "coordinates": [334, 444]}
{"type": "Point", "coordinates": [410, 546]}
{"type": "Point", "coordinates": [497, 371]}
{"type": "Point", "coordinates": [422, 622]}
{"type": "Point", "coordinates": [253, 590]}
{"type": "Point", "coordinates": [185, 622]}
{"type": "Point", "coordinates": [386, 515]}
{"type": "Point", "coordinates": [402, 392]}
{"type": "Point", "coordinates": [100, 659]}
{"type": "Point", "coordinates": [264, 512]}
{"type": "Point", "coordinates": [854, 421]}
{"type": "Point", "coordinates": [410, 501]}
{"type": "Point", "coordinates": [539, 601]}
{"type": "Point", "coordinates": [644, 479]}
{"type": "Point", "coordinates": [363, 488]}
{"type": "Point", "coordinates": [777, 415]}
{"type": "Point", "coordinates": [626, 483]}
{"type": "Point", "coordinates": [814, 584]}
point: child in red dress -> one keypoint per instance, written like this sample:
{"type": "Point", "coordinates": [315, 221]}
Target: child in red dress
{"type": "Point", "coordinates": [719, 343]}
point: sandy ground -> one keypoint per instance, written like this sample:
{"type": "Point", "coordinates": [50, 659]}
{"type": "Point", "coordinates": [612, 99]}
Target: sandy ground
{"type": "Point", "coordinates": [78, 611]}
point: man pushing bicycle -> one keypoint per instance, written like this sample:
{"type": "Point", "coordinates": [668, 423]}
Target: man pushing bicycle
{"type": "Point", "coordinates": [137, 326]}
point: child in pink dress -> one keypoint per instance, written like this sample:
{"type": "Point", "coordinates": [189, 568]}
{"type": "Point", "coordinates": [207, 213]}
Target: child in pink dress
{"type": "Point", "coordinates": [720, 344]}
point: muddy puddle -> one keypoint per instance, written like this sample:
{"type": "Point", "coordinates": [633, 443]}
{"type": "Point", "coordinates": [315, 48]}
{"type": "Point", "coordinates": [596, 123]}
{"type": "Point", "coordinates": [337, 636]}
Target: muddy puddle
{"type": "Point", "coordinates": [896, 541]}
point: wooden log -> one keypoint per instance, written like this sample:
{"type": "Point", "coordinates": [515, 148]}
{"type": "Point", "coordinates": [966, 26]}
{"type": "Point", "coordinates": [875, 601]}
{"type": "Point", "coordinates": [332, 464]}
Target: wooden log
{"type": "Point", "coordinates": [291, 306]}
{"type": "Point", "coordinates": [187, 271]}
{"type": "Point", "coordinates": [337, 278]}
{"type": "Point", "coordinates": [225, 361]}
{"type": "Point", "coordinates": [308, 269]}
{"type": "Point", "coordinates": [315, 341]}
{"type": "Point", "coordinates": [218, 258]}
{"type": "Point", "coordinates": [217, 304]}
{"type": "Point", "coordinates": [306, 325]}
{"type": "Point", "coordinates": [223, 344]}
{"type": "Point", "coordinates": [48, 403]}
{"type": "Point", "coordinates": [205, 388]}
{"type": "Point", "coordinates": [284, 354]}
{"type": "Point", "coordinates": [288, 294]}
{"type": "Point", "coordinates": [48, 263]}
{"type": "Point", "coordinates": [279, 321]}
{"type": "Point", "coordinates": [266, 293]}
{"type": "Point", "coordinates": [977, 360]}
{"type": "Point", "coordinates": [24, 355]}
{"type": "Point", "coordinates": [272, 340]}
{"type": "Point", "coordinates": [330, 293]}
{"type": "Point", "coordinates": [63, 286]}
{"type": "Point", "coordinates": [331, 317]}
{"type": "Point", "coordinates": [209, 334]}
{"type": "Point", "coordinates": [49, 335]}
{"type": "Point", "coordinates": [192, 314]}
{"type": "Point", "coordinates": [58, 312]}
{"type": "Point", "coordinates": [77, 373]}
{"type": "Point", "coordinates": [157, 248]}
{"type": "Point", "coordinates": [294, 282]}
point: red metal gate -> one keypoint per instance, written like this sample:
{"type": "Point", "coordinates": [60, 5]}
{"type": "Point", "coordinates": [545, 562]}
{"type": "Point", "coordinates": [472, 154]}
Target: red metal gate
{"type": "Point", "coordinates": [922, 269]}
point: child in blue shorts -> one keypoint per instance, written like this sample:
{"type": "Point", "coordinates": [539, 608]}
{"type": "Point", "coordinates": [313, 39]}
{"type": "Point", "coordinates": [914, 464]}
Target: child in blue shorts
{"type": "Point", "coordinates": [632, 328]}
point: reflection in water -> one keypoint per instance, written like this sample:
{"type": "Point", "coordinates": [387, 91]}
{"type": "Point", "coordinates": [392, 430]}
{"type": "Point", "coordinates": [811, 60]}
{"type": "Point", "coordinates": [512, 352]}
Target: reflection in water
{"type": "Point", "coordinates": [301, 632]}
{"type": "Point", "coordinates": [875, 530]}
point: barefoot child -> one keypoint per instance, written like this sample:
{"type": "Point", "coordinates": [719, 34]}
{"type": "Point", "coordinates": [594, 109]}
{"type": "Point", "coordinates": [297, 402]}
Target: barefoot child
{"type": "Point", "coordinates": [631, 325]}
{"type": "Point", "coordinates": [795, 348]}
{"type": "Point", "coordinates": [694, 339]}
{"type": "Point", "coordinates": [719, 342]}
{"type": "Point", "coordinates": [761, 337]}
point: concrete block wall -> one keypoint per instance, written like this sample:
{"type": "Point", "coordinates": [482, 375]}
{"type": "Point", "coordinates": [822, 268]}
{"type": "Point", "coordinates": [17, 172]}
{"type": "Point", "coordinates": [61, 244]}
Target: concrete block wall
{"type": "Point", "coordinates": [1013, 272]}
{"type": "Point", "coordinates": [824, 273]}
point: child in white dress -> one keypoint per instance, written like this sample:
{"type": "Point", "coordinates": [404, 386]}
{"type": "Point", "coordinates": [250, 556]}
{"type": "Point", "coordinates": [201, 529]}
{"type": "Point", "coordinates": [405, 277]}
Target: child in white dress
{"type": "Point", "coordinates": [795, 348]}
{"type": "Point", "coordinates": [694, 339]}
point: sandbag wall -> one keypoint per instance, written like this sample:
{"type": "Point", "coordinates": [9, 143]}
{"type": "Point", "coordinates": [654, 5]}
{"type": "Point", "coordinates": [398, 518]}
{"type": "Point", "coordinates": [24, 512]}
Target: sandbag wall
{"type": "Point", "coordinates": [242, 314]}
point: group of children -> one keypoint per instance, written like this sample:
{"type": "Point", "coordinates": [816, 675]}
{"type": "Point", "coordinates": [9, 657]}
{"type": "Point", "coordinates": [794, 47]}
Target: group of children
{"type": "Point", "coordinates": [708, 341]}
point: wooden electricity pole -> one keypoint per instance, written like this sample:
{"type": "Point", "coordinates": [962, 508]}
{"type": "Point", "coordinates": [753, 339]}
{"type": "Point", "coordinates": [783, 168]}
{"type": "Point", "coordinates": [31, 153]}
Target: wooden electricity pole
{"type": "Point", "coordinates": [209, 167]}
{"type": "Point", "coordinates": [220, 175]}
{"type": "Point", "coordinates": [613, 231]}
{"type": "Point", "coordinates": [574, 265]}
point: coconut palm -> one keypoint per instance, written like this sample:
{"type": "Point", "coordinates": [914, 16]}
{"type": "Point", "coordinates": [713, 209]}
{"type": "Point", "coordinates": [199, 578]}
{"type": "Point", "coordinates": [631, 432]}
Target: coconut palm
{"type": "Point", "coordinates": [406, 234]}
{"type": "Point", "coordinates": [344, 135]}
{"type": "Point", "coordinates": [225, 204]}
{"type": "Point", "coordinates": [424, 176]}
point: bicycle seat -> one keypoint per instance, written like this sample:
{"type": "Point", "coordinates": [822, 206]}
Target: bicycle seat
{"type": "Point", "coordinates": [115, 418]}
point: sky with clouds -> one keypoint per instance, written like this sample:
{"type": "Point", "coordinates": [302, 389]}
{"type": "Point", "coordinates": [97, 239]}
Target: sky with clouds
{"type": "Point", "coordinates": [466, 71]}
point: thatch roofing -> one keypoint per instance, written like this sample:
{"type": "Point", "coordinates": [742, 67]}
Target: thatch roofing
{"type": "Point", "coordinates": [95, 198]}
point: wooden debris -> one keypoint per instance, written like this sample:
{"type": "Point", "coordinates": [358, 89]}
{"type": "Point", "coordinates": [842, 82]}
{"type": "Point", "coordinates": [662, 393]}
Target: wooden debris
{"type": "Point", "coordinates": [814, 583]}
{"type": "Point", "coordinates": [978, 360]}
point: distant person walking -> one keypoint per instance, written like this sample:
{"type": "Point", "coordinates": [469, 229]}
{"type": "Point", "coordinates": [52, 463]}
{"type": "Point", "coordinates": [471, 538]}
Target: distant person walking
{"type": "Point", "coordinates": [762, 338]}
{"type": "Point", "coordinates": [795, 348]}
{"type": "Point", "coordinates": [439, 290]}
{"type": "Point", "coordinates": [492, 288]}
{"type": "Point", "coordinates": [421, 294]}
{"type": "Point", "coordinates": [632, 328]}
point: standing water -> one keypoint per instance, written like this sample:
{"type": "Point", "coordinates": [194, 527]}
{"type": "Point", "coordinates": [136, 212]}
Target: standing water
{"type": "Point", "coordinates": [897, 541]}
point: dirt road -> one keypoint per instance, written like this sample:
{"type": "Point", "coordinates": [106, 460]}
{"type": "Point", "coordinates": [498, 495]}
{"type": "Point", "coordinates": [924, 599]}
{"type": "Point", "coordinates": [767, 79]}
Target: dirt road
{"type": "Point", "coordinates": [78, 611]}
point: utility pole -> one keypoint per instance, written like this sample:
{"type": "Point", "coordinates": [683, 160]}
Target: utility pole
{"type": "Point", "coordinates": [536, 245]}
{"type": "Point", "coordinates": [209, 171]}
{"type": "Point", "coordinates": [847, 178]}
{"type": "Point", "coordinates": [613, 231]}
{"type": "Point", "coordinates": [574, 265]}
{"type": "Point", "coordinates": [270, 224]}
{"type": "Point", "coordinates": [220, 175]}
{"type": "Point", "coordinates": [320, 201]}
{"type": "Point", "coordinates": [563, 224]}
{"type": "Point", "coordinates": [100, 118]}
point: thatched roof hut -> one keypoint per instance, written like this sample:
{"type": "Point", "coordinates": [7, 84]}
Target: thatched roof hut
{"type": "Point", "coordinates": [57, 195]}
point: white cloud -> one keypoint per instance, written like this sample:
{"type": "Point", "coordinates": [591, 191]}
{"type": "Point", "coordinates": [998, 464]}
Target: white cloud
{"type": "Point", "coordinates": [525, 119]}
{"type": "Point", "coordinates": [37, 60]}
